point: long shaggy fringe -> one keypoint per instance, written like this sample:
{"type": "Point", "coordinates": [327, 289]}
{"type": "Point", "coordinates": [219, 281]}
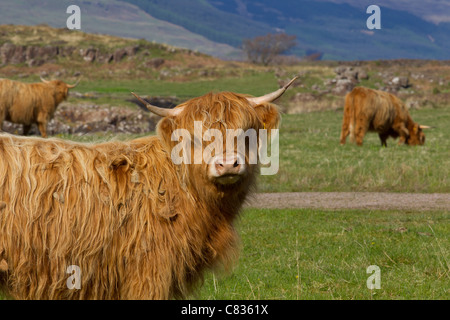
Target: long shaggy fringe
{"type": "Point", "coordinates": [136, 225]}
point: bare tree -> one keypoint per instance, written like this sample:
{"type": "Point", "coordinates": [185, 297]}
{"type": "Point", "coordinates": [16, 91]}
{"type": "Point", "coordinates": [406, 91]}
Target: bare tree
{"type": "Point", "coordinates": [264, 49]}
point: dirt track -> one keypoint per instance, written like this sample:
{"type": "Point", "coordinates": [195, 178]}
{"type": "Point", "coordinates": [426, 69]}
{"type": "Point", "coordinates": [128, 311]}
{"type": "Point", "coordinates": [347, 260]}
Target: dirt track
{"type": "Point", "coordinates": [351, 200]}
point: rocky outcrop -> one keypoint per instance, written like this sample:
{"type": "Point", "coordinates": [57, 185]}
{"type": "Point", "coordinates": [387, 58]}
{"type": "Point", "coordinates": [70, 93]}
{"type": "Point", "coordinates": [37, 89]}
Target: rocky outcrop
{"type": "Point", "coordinates": [85, 118]}
{"type": "Point", "coordinates": [346, 79]}
{"type": "Point", "coordinates": [35, 56]}
{"type": "Point", "coordinates": [31, 55]}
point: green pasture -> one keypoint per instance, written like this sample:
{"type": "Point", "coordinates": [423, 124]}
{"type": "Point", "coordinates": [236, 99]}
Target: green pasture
{"type": "Point", "coordinates": [322, 254]}
{"type": "Point", "coordinates": [311, 158]}
{"type": "Point", "coordinates": [317, 254]}
{"type": "Point", "coordinates": [251, 83]}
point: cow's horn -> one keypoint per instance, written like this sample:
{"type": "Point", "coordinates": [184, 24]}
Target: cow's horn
{"type": "Point", "coordinates": [73, 85]}
{"type": "Point", "coordinates": [424, 127]}
{"type": "Point", "coordinates": [43, 80]}
{"type": "Point", "coordinates": [271, 96]}
{"type": "Point", "coordinates": [163, 112]}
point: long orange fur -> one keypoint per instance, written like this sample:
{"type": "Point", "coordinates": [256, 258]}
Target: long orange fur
{"type": "Point", "coordinates": [137, 225]}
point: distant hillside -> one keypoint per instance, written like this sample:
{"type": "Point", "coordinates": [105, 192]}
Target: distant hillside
{"type": "Point", "coordinates": [335, 28]}
{"type": "Point", "coordinates": [340, 32]}
{"type": "Point", "coordinates": [435, 11]}
{"type": "Point", "coordinates": [114, 18]}
{"type": "Point", "coordinates": [27, 51]}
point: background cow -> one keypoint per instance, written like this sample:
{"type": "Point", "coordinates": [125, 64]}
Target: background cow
{"type": "Point", "coordinates": [135, 224]}
{"type": "Point", "coordinates": [373, 110]}
{"type": "Point", "coordinates": [29, 103]}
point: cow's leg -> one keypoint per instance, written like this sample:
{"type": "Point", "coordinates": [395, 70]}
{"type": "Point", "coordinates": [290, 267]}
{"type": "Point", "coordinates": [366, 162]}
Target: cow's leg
{"type": "Point", "coordinates": [361, 128]}
{"type": "Point", "coordinates": [26, 129]}
{"type": "Point", "coordinates": [345, 131]}
{"type": "Point", "coordinates": [43, 129]}
{"type": "Point", "coordinates": [42, 124]}
{"type": "Point", "coordinates": [2, 118]}
{"type": "Point", "coordinates": [383, 138]}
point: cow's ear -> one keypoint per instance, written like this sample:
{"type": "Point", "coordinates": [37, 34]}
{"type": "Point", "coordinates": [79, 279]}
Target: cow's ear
{"type": "Point", "coordinates": [164, 129]}
{"type": "Point", "coordinates": [269, 115]}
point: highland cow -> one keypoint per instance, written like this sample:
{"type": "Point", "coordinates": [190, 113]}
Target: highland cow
{"type": "Point", "coordinates": [373, 110]}
{"type": "Point", "coordinates": [134, 224]}
{"type": "Point", "coordinates": [28, 103]}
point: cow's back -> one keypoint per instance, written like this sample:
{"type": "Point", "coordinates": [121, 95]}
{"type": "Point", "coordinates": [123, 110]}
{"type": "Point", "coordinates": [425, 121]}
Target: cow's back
{"type": "Point", "coordinates": [373, 107]}
{"type": "Point", "coordinates": [62, 202]}
{"type": "Point", "coordinates": [21, 102]}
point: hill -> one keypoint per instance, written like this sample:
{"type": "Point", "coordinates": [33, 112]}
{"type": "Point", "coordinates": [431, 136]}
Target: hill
{"type": "Point", "coordinates": [336, 28]}
{"type": "Point", "coordinates": [111, 17]}
{"type": "Point", "coordinates": [435, 11]}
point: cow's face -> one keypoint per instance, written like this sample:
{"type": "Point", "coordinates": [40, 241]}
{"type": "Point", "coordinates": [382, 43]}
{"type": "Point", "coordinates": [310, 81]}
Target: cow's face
{"type": "Point", "coordinates": [215, 125]}
{"type": "Point", "coordinates": [60, 89]}
{"type": "Point", "coordinates": [416, 136]}
{"type": "Point", "coordinates": [210, 124]}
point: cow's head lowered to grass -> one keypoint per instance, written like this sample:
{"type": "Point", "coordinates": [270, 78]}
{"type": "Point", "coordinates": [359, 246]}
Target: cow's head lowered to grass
{"type": "Point", "coordinates": [219, 136]}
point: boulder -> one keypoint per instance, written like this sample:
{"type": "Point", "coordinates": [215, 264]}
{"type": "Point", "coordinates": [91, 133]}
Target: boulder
{"type": "Point", "coordinates": [343, 86]}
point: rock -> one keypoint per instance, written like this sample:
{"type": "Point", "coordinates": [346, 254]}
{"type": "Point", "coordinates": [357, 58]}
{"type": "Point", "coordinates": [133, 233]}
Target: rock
{"type": "Point", "coordinates": [35, 55]}
{"type": "Point", "coordinates": [12, 54]}
{"type": "Point", "coordinates": [66, 51]}
{"type": "Point", "coordinates": [81, 119]}
{"type": "Point", "coordinates": [155, 63]}
{"type": "Point", "coordinates": [32, 55]}
{"type": "Point", "coordinates": [404, 82]}
{"type": "Point", "coordinates": [397, 83]}
{"type": "Point", "coordinates": [119, 54]}
{"type": "Point", "coordinates": [340, 70]}
{"type": "Point", "coordinates": [362, 75]}
{"type": "Point", "coordinates": [350, 74]}
{"type": "Point", "coordinates": [131, 51]}
{"type": "Point", "coordinates": [106, 58]}
{"type": "Point", "coordinates": [35, 62]}
{"type": "Point", "coordinates": [343, 86]}
{"type": "Point", "coordinates": [90, 55]}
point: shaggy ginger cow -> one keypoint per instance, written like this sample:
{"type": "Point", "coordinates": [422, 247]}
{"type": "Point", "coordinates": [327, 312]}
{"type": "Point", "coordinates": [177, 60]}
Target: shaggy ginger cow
{"type": "Point", "coordinates": [373, 110]}
{"type": "Point", "coordinates": [28, 103]}
{"type": "Point", "coordinates": [136, 225]}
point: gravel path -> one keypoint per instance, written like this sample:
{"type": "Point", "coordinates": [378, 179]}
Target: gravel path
{"type": "Point", "coordinates": [351, 200]}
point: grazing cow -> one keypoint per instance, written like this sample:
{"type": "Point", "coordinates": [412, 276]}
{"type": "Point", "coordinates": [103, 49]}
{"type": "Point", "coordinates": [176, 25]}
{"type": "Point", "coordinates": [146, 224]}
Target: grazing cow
{"type": "Point", "coordinates": [121, 220]}
{"type": "Point", "coordinates": [29, 103]}
{"type": "Point", "coordinates": [373, 110]}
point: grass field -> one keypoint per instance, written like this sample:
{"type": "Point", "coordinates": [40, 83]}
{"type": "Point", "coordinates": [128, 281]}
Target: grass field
{"type": "Point", "coordinates": [251, 83]}
{"type": "Point", "coordinates": [311, 158]}
{"type": "Point", "coordinates": [315, 254]}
